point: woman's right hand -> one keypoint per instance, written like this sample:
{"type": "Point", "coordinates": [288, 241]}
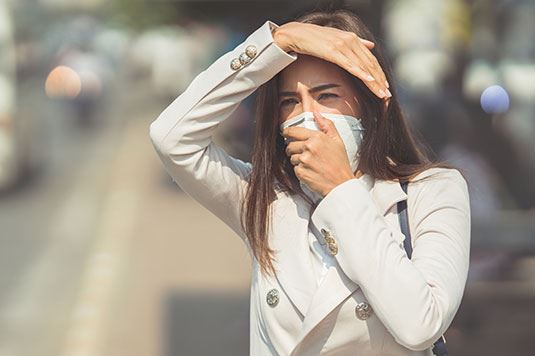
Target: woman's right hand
{"type": "Point", "coordinates": [343, 48]}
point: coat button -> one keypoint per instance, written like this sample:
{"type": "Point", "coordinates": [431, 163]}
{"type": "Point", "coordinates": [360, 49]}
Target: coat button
{"type": "Point", "coordinates": [250, 51]}
{"type": "Point", "coordinates": [331, 242]}
{"type": "Point", "coordinates": [363, 310]}
{"type": "Point", "coordinates": [244, 58]}
{"type": "Point", "coordinates": [272, 297]}
{"type": "Point", "coordinates": [333, 247]}
{"type": "Point", "coordinates": [235, 64]}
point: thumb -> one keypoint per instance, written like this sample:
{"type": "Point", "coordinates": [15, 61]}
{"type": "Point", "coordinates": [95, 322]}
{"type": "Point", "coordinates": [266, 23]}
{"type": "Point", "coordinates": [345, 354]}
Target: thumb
{"type": "Point", "coordinates": [325, 125]}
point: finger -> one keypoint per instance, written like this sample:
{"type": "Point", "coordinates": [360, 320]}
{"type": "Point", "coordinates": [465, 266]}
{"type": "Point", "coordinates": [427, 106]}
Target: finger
{"type": "Point", "coordinates": [325, 125]}
{"type": "Point", "coordinates": [372, 65]}
{"type": "Point", "coordinates": [343, 55]}
{"type": "Point", "coordinates": [378, 86]}
{"type": "Point", "coordinates": [294, 159]}
{"type": "Point", "coordinates": [367, 43]}
{"type": "Point", "coordinates": [387, 102]}
{"type": "Point", "coordinates": [374, 62]}
{"type": "Point", "coordinates": [298, 133]}
{"type": "Point", "coordinates": [352, 64]}
{"type": "Point", "coordinates": [295, 147]}
{"type": "Point", "coordinates": [355, 65]}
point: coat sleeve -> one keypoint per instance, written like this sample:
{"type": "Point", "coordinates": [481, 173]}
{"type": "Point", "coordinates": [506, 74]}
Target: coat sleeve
{"type": "Point", "coordinates": [416, 299]}
{"type": "Point", "coordinates": [182, 133]}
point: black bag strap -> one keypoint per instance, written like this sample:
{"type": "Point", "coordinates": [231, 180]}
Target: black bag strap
{"type": "Point", "coordinates": [404, 222]}
{"type": "Point", "coordinates": [439, 347]}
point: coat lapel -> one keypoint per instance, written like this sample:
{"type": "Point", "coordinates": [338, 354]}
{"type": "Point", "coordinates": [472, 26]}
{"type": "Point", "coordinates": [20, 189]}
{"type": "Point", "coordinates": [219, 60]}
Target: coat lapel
{"type": "Point", "coordinates": [336, 286]}
{"type": "Point", "coordinates": [292, 257]}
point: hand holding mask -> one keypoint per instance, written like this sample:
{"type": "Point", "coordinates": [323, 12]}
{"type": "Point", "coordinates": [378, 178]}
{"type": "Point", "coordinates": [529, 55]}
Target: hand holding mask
{"type": "Point", "coordinates": [349, 128]}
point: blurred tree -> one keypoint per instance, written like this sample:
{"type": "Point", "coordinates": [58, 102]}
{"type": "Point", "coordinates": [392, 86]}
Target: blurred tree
{"type": "Point", "coordinates": [141, 14]}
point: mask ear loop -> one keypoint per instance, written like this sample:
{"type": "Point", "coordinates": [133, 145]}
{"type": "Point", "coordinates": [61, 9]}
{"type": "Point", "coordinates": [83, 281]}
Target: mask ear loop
{"type": "Point", "coordinates": [373, 118]}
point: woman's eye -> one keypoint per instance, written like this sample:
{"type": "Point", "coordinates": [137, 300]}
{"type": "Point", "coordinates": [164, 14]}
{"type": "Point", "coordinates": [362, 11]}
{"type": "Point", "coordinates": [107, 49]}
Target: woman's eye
{"type": "Point", "coordinates": [287, 101]}
{"type": "Point", "coordinates": [327, 95]}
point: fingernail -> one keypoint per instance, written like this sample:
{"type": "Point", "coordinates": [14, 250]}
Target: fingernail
{"type": "Point", "coordinates": [370, 78]}
{"type": "Point", "coordinates": [389, 93]}
{"type": "Point", "coordinates": [386, 83]}
{"type": "Point", "coordinates": [381, 93]}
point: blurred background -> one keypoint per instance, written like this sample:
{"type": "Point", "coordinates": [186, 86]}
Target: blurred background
{"type": "Point", "coordinates": [102, 254]}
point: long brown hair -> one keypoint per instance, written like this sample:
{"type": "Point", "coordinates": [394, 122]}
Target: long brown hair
{"type": "Point", "coordinates": [389, 150]}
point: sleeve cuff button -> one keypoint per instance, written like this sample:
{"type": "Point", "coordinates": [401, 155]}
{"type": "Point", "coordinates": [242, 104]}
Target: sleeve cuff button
{"type": "Point", "coordinates": [250, 51]}
{"type": "Point", "coordinates": [244, 58]}
{"type": "Point", "coordinates": [235, 64]}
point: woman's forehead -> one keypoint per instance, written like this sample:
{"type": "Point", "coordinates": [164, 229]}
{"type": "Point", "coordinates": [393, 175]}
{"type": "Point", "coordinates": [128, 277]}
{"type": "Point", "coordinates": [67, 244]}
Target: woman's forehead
{"type": "Point", "coordinates": [310, 71]}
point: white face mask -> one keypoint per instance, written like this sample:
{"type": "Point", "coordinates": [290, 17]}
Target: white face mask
{"type": "Point", "coordinates": [349, 128]}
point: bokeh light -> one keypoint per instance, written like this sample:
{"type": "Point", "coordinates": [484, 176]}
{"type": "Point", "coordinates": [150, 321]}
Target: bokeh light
{"type": "Point", "coordinates": [495, 100]}
{"type": "Point", "coordinates": [63, 81]}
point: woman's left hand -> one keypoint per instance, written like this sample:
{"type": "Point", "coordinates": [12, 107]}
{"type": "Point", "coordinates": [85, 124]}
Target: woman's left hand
{"type": "Point", "coordinates": [319, 157]}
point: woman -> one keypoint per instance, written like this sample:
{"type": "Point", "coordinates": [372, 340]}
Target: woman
{"type": "Point", "coordinates": [330, 273]}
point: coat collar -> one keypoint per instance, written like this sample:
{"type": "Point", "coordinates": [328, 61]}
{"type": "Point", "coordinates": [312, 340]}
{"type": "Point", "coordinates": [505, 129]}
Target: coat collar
{"type": "Point", "coordinates": [387, 193]}
{"type": "Point", "coordinates": [293, 258]}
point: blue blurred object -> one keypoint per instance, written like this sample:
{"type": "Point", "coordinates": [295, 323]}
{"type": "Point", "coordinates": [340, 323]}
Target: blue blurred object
{"type": "Point", "coordinates": [495, 100]}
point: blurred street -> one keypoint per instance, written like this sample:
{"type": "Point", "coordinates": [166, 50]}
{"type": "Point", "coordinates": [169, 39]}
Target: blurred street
{"type": "Point", "coordinates": [95, 270]}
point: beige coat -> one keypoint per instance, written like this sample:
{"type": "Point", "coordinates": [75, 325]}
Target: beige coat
{"type": "Point", "coordinates": [412, 301]}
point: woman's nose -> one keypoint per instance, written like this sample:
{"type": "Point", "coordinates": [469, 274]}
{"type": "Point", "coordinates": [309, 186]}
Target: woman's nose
{"type": "Point", "coordinates": [310, 105]}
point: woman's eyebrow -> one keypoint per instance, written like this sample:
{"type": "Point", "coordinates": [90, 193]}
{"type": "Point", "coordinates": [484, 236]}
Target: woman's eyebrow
{"type": "Point", "coordinates": [311, 90]}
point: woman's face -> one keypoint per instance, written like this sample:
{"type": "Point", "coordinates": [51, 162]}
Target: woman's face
{"type": "Point", "coordinates": [313, 84]}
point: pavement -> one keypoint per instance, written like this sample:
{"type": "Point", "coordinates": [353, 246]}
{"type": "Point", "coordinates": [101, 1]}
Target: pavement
{"type": "Point", "coordinates": [184, 273]}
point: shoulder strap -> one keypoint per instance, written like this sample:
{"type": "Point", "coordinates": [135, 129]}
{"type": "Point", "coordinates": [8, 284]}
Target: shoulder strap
{"type": "Point", "coordinates": [404, 221]}
{"type": "Point", "coordinates": [439, 347]}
